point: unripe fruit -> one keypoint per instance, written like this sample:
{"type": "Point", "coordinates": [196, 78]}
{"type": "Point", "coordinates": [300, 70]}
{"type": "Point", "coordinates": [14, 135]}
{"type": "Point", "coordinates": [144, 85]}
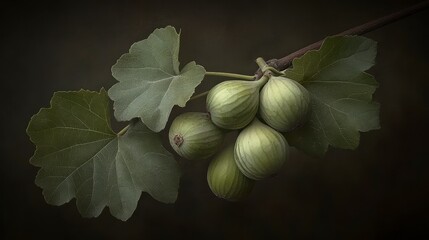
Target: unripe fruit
{"type": "Point", "coordinates": [233, 104]}
{"type": "Point", "coordinates": [260, 151]}
{"type": "Point", "coordinates": [225, 179]}
{"type": "Point", "coordinates": [284, 103]}
{"type": "Point", "coordinates": [193, 136]}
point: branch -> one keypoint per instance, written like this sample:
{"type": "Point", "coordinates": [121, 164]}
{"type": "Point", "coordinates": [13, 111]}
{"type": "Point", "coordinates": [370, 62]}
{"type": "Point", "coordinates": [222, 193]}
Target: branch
{"type": "Point", "coordinates": [286, 61]}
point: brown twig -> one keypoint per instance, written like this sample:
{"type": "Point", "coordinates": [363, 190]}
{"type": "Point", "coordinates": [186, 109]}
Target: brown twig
{"type": "Point", "coordinates": [286, 61]}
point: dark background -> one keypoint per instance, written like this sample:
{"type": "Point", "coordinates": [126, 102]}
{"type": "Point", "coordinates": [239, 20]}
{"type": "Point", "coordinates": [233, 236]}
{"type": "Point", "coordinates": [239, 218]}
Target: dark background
{"type": "Point", "coordinates": [378, 191]}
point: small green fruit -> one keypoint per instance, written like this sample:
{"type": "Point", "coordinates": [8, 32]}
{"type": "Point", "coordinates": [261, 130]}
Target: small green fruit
{"type": "Point", "coordinates": [193, 136]}
{"type": "Point", "coordinates": [233, 104]}
{"type": "Point", "coordinates": [284, 103]}
{"type": "Point", "coordinates": [225, 179]}
{"type": "Point", "coordinates": [260, 151]}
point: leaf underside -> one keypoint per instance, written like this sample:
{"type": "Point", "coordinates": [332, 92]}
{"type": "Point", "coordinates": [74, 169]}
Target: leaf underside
{"type": "Point", "coordinates": [81, 157]}
{"type": "Point", "coordinates": [341, 94]}
{"type": "Point", "coordinates": [150, 83]}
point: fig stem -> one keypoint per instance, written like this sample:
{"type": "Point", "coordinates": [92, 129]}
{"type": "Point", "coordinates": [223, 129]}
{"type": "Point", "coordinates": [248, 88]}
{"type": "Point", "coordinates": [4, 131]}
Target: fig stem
{"type": "Point", "coordinates": [263, 80]}
{"type": "Point", "coordinates": [261, 63]}
{"type": "Point", "coordinates": [274, 71]}
{"type": "Point", "coordinates": [265, 67]}
{"type": "Point", "coordinates": [231, 75]}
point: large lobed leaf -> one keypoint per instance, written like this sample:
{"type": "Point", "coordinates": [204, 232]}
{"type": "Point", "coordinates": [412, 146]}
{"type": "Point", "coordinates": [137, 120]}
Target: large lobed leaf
{"type": "Point", "coordinates": [341, 94]}
{"type": "Point", "coordinates": [150, 82]}
{"type": "Point", "coordinates": [81, 157]}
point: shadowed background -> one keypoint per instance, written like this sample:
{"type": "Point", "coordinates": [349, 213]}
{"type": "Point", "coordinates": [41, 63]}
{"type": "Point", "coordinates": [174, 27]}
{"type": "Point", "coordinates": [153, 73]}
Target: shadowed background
{"type": "Point", "coordinates": [379, 191]}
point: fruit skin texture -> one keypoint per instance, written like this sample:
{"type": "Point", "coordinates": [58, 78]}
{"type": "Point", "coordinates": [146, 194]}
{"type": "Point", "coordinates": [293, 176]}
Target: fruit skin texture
{"type": "Point", "coordinates": [284, 103]}
{"type": "Point", "coordinates": [260, 151]}
{"type": "Point", "coordinates": [225, 179]}
{"type": "Point", "coordinates": [233, 104]}
{"type": "Point", "coordinates": [193, 136]}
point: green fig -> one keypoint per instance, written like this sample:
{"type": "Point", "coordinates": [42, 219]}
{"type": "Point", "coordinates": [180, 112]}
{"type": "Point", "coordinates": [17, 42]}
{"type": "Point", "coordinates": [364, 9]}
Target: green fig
{"type": "Point", "coordinates": [284, 103]}
{"type": "Point", "coordinates": [233, 104]}
{"type": "Point", "coordinates": [260, 151]}
{"type": "Point", "coordinates": [225, 179]}
{"type": "Point", "coordinates": [193, 136]}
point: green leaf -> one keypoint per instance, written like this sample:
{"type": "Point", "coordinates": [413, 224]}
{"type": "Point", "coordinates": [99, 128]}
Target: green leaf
{"type": "Point", "coordinates": [341, 93]}
{"type": "Point", "coordinates": [81, 157]}
{"type": "Point", "coordinates": [150, 82]}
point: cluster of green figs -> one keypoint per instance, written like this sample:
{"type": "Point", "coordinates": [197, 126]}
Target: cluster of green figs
{"type": "Point", "coordinates": [262, 110]}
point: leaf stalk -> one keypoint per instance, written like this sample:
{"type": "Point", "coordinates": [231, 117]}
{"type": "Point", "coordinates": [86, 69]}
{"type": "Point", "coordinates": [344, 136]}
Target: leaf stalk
{"type": "Point", "coordinates": [123, 130]}
{"type": "Point", "coordinates": [199, 95]}
{"type": "Point", "coordinates": [231, 75]}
